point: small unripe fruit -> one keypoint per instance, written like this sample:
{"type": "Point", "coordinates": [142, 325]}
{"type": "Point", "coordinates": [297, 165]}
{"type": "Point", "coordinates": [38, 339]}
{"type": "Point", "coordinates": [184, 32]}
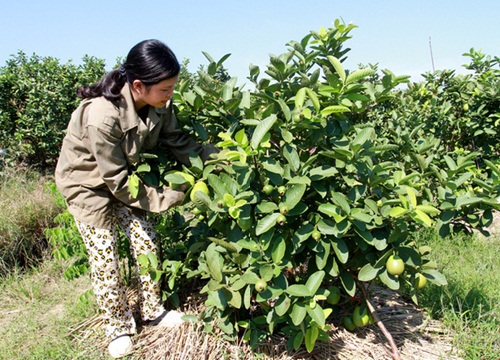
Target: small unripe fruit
{"type": "Point", "coordinates": [260, 285]}
{"type": "Point", "coordinates": [333, 297]}
{"type": "Point", "coordinates": [245, 224]}
{"type": "Point", "coordinates": [199, 186]}
{"type": "Point", "coordinates": [268, 189]}
{"type": "Point", "coordinates": [360, 317]}
{"type": "Point", "coordinates": [281, 190]}
{"type": "Point", "coordinates": [348, 323]}
{"type": "Point", "coordinates": [196, 211]}
{"type": "Point", "coordinates": [420, 281]}
{"type": "Point", "coordinates": [281, 220]}
{"type": "Point", "coordinates": [316, 235]}
{"type": "Point", "coordinates": [284, 209]}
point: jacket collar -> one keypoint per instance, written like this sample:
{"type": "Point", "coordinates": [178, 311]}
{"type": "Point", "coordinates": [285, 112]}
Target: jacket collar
{"type": "Point", "coordinates": [128, 115]}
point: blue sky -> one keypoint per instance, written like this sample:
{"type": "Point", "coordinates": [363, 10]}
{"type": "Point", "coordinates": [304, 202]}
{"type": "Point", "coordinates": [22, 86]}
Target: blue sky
{"type": "Point", "coordinates": [393, 33]}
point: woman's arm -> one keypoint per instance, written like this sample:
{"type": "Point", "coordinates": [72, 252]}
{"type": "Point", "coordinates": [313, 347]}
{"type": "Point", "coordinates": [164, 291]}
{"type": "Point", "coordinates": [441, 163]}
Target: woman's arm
{"type": "Point", "coordinates": [113, 169]}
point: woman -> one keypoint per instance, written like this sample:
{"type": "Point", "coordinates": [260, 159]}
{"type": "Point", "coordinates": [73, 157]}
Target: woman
{"type": "Point", "coordinates": [129, 110]}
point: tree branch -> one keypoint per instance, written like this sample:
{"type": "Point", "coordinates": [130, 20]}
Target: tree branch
{"type": "Point", "coordinates": [395, 352]}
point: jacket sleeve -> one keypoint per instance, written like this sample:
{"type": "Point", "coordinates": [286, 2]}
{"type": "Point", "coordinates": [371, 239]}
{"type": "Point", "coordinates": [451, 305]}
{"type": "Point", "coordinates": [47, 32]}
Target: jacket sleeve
{"type": "Point", "coordinates": [113, 169]}
{"type": "Point", "coordinates": [180, 143]}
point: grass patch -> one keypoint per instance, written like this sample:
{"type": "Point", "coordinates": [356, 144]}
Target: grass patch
{"type": "Point", "coordinates": [38, 309]}
{"type": "Point", "coordinates": [31, 206]}
{"type": "Point", "coordinates": [470, 304]}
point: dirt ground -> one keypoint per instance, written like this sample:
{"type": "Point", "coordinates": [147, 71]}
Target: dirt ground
{"type": "Point", "coordinates": [417, 336]}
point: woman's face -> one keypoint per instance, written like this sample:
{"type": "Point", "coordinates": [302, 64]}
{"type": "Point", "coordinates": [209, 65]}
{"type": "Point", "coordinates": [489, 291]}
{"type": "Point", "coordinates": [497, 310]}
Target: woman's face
{"type": "Point", "coordinates": [156, 95]}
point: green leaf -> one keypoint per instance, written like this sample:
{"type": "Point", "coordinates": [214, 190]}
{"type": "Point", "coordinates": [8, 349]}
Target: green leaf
{"type": "Point", "coordinates": [398, 211]}
{"type": "Point", "coordinates": [412, 195]}
{"type": "Point", "coordinates": [451, 164]}
{"type": "Point", "coordinates": [266, 207]}
{"type": "Point", "coordinates": [298, 313]}
{"type": "Point", "coordinates": [262, 129]}
{"type": "Point", "coordinates": [334, 109]}
{"type": "Point", "coordinates": [292, 157]}
{"type": "Point", "coordinates": [311, 337]}
{"type": "Point", "coordinates": [298, 290]}
{"type": "Point", "coordinates": [273, 167]}
{"type": "Point", "coordinates": [389, 280]}
{"type": "Point", "coordinates": [285, 109]}
{"type": "Point", "coordinates": [492, 166]}
{"type": "Point", "coordinates": [341, 200]}
{"type": "Point", "coordinates": [337, 65]}
{"type": "Point", "coordinates": [143, 260]}
{"type": "Point", "coordinates": [297, 340]}
{"type": "Point", "coordinates": [348, 282]}
{"type": "Point", "coordinates": [245, 100]}
{"type": "Point", "coordinates": [300, 97]}
{"type": "Point", "coordinates": [153, 259]}
{"type": "Point", "coordinates": [266, 223]}
{"type": "Point", "coordinates": [144, 168]}
{"type": "Point", "coordinates": [428, 209]}
{"type": "Point", "coordinates": [314, 281]}
{"type": "Point", "coordinates": [236, 300]}
{"type": "Point", "coordinates": [357, 75]}
{"type": "Point", "coordinates": [422, 217]}
{"type": "Point", "coordinates": [218, 185]}
{"type": "Point", "coordinates": [282, 305]}
{"type": "Point", "coordinates": [250, 277]}
{"type": "Point", "coordinates": [314, 99]}
{"type": "Point", "coordinates": [467, 200]}
{"type": "Point", "coordinates": [341, 250]}
{"type": "Point", "coordinates": [435, 277]}
{"type": "Point", "coordinates": [317, 314]}
{"type": "Point", "coordinates": [294, 195]}
{"type": "Point", "coordinates": [278, 251]}
{"type": "Point", "coordinates": [362, 137]}
{"type": "Point", "coordinates": [322, 255]}
{"type": "Point", "coordinates": [368, 273]}
{"type": "Point", "coordinates": [322, 172]}
{"type": "Point", "coordinates": [266, 272]}
{"type": "Point", "coordinates": [329, 209]}
{"type": "Point", "coordinates": [227, 90]}
{"type": "Point", "coordinates": [214, 262]}
{"type": "Point", "coordinates": [358, 214]}
{"type": "Point", "coordinates": [133, 185]}
{"type": "Point", "coordinates": [247, 297]}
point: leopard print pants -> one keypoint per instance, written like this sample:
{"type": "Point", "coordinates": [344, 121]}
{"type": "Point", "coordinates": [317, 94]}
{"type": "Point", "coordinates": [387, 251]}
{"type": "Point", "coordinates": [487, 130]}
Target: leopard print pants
{"type": "Point", "coordinates": [108, 287]}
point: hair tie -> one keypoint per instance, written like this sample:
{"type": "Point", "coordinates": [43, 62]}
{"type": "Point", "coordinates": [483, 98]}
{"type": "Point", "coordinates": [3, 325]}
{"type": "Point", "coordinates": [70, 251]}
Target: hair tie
{"type": "Point", "coordinates": [122, 70]}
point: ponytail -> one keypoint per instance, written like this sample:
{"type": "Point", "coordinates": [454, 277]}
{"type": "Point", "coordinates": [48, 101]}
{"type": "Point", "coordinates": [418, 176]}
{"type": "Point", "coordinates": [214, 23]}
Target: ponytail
{"type": "Point", "coordinates": [109, 86]}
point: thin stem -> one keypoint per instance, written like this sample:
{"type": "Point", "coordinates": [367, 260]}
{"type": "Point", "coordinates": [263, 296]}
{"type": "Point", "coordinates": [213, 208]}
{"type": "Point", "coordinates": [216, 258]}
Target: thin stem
{"type": "Point", "coordinates": [395, 352]}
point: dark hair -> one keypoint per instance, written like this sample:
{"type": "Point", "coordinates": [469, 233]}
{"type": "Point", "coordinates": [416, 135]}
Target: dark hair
{"type": "Point", "coordinates": [150, 61]}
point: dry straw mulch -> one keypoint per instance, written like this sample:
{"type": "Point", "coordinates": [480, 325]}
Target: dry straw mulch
{"type": "Point", "coordinates": [417, 336]}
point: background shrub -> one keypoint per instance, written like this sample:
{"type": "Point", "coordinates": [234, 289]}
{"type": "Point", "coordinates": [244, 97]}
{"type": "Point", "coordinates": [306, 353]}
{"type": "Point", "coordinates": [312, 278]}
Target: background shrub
{"type": "Point", "coordinates": [37, 96]}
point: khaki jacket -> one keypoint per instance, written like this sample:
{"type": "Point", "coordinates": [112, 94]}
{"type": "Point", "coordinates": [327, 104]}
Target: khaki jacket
{"type": "Point", "coordinates": [103, 140]}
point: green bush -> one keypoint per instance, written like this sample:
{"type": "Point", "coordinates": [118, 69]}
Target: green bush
{"type": "Point", "coordinates": [462, 111]}
{"type": "Point", "coordinates": [311, 192]}
{"type": "Point", "coordinates": [37, 97]}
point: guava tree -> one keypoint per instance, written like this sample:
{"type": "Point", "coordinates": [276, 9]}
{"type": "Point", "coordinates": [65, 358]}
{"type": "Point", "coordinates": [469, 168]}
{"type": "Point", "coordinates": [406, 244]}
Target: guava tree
{"type": "Point", "coordinates": [306, 203]}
